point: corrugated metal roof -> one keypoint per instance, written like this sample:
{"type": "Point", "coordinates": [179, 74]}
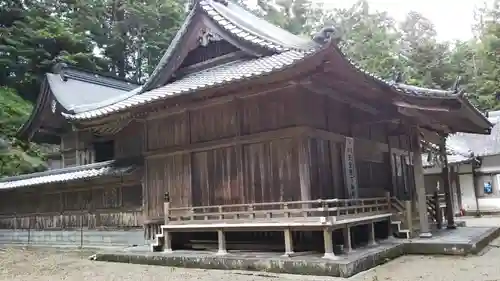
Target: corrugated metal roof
{"type": "Point", "coordinates": [96, 170]}
{"type": "Point", "coordinates": [217, 76]}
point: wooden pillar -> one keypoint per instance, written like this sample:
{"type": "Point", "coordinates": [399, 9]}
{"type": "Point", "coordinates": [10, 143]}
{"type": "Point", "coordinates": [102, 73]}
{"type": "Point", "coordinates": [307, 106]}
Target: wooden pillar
{"type": "Point", "coordinates": [475, 181]}
{"type": "Point", "coordinates": [437, 206]}
{"type": "Point", "coordinates": [222, 243]}
{"type": "Point", "coordinates": [371, 238]}
{"type": "Point", "coordinates": [328, 242]}
{"type": "Point", "coordinates": [418, 172]}
{"type": "Point", "coordinates": [288, 243]}
{"type": "Point", "coordinates": [168, 242]}
{"type": "Point", "coordinates": [347, 239]}
{"type": "Point", "coordinates": [304, 169]}
{"type": "Point", "coordinates": [445, 174]}
{"type": "Point", "coordinates": [166, 208]}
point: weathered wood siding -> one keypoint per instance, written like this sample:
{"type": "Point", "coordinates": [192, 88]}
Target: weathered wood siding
{"type": "Point", "coordinates": [96, 205]}
{"type": "Point", "coordinates": [69, 143]}
{"type": "Point", "coordinates": [129, 141]}
{"type": "Point", "coordinates": [196, 156]}
{"type": "Point", "coordinates": [215, 154]}
{"type": "Point", "coordinates": [371, 149]}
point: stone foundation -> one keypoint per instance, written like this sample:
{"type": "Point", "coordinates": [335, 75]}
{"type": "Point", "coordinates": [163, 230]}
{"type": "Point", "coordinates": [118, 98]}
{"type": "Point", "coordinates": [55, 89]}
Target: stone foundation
{"type": "Point", "coordinates": [73, 238]}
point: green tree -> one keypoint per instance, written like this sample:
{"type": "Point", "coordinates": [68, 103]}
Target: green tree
{"type": "Point", "coordinates": [131, 35]}
{"type": "Point", "coordinates": [32, 39]}
{"type": "Point", "coordinates": [16, 157]}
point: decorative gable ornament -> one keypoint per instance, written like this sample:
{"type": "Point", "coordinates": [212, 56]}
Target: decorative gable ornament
{"type": "Point", "coordinates": [326, 35]}
{"type": "Point", "coordinates": [207, 36]}
{"type": "Point", "coordinates": [53, 106]}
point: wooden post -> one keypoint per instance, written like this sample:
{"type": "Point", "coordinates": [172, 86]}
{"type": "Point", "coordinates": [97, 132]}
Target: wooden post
{"type": "Point", "coordinates": [347, 239]}
{"type": "Point", "coordinates": [304, 171]}
{"type": "Point", "coordinates": [371, 238]}
{"type": "Point", "coordinates": [288, 243]}
{"type": "Point", "coordinates": [168, 242]}
{"type": "Point", "coordinates": [437, 205]}
{"type": "Point", "coordinates": [166, 208]}
{"type": "Point", "coordinates": [450, 219]}
{"type": "Point", "coordinates": [328, 241]}
{"type": "Point", "coordinates": [222, 243]}
{"type": "Point", "coordinates": [418, 172]}
{"type": "Point", "coordinates": [389, 201]}
{"type": "Point", "coordinates": [409, 216]}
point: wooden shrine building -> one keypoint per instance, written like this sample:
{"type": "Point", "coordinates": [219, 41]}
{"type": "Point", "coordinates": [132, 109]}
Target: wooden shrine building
{"type": "Point", "coordinates": [244, 127]}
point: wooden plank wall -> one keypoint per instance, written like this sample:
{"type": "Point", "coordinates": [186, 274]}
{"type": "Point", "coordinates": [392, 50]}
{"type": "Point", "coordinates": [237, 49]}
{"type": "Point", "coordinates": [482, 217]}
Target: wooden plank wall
{"type": "Point", "coordinates": [111, 205]}
{"type": "Point", "coordinates": [128, 142]}
{"type": "Point", "coordinates": [373, 157]}
{"type": "Point", "coordinates": [187, 159]}
{"type": "Point", "coordinates": [197, 157]}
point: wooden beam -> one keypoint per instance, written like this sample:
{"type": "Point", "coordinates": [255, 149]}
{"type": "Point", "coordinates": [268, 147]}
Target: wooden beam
{"type": "Point", "coordinates": [227, 142]}
{"type": "Point", "coordinates": [211, 63]}
{"type": "Point", "coordinates": [420, 107]}
{"type": "Point", "coordinates": [424, 119]}
{"type": "Point", "coordinates": [343, 98]}
{"type": "Point", "coordinates": [218, 100]}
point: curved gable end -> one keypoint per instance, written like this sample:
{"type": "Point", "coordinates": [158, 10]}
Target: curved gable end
{"type": "Point", "coordinates": [222, 20]}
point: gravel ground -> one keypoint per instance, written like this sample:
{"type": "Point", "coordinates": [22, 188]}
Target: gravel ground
{"type": "Point", "coordinates": [50, 264]}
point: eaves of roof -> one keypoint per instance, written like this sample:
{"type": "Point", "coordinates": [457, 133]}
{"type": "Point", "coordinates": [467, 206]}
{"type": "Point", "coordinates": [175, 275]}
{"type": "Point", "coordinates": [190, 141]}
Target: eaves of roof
{"type": "Point", "coordinates": [64, 175]}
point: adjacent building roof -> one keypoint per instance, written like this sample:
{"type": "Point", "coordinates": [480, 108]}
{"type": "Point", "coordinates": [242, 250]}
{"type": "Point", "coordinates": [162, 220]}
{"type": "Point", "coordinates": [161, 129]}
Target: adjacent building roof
{"type": "Point", "coordinates": [70, 90]}
{"type": "Point", "coordinates": [480, 145]}
{"type": "Point", "coordinates": [462, 147]}
{"type": "Point", "coordinates": [109, 168]}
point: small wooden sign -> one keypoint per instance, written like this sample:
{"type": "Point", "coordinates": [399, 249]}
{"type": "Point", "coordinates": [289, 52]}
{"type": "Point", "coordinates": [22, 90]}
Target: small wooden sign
{"type": "Point", "coordinates": [350, 169]}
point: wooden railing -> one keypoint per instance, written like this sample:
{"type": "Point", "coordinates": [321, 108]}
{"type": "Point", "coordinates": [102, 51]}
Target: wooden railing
{"type": "Point", "coordinates": [436, 206]}
{"type": "Point", "coordinates": [338, 208]}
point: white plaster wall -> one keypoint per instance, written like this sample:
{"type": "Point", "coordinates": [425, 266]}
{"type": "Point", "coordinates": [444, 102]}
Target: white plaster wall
{"type": "Point", "coordinates": [467, 189]}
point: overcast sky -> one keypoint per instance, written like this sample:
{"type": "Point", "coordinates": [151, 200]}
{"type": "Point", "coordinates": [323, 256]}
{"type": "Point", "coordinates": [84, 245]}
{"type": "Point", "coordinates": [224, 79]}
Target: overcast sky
{"type": "Point", "coordinates": [452, 18]}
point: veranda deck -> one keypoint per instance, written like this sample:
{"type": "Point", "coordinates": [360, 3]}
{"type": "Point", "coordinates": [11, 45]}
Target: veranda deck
{"type": "Point", "coordinates": [315, 215]}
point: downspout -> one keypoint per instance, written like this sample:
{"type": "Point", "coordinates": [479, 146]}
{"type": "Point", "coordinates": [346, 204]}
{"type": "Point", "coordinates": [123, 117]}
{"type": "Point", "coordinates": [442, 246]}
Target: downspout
{"type": "Point", "coordinates": [476, 163]}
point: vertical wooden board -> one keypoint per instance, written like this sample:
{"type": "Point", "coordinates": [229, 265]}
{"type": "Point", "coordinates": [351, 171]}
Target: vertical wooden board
{"type": "Point", "coordinates": [213, 122]}
{"type": "Point", "coordinates": [337, 169]}
{"type": "Point", "coordinates": [132, 196]}
{"type": "Point", "coordinates": [321, 178]}
{"type": "Point", "coordinates": [378, 133]}
{"type": "Point", "coordinates": [305, 168]}
{"type": "Point", "coordinates": [129, 141]}
{"type": "Point", "coordinates": [271, 111]}
{"type": "Point", "coordinates": [270, 171]}
{"type": "Point", "coordinates": [289, 163]}
{"type": "Point", "coordinates": [215, 177]}
{"type": "Point", "coordinates": [257, 172]}
{"type": "Point", "coordinates": [313, 110]}
{"type": "Point", "coordinates": [168, 131]}
{"type": "Point", "coordinates": [338, 117]}
{"type": "Point", "coordinates": [404, 142]}
{"type": "Point", "coordinates": [394, 141]}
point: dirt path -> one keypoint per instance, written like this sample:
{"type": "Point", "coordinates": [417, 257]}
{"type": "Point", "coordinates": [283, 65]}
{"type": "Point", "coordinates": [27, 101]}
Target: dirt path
{"type": "Point", "coordinates": [18, 264]}
{"type": "Point", "coordinates": [37, 264]}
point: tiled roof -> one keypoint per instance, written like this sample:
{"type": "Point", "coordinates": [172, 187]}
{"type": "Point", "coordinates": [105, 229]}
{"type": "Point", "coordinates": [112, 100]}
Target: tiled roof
{"type": "Point", "coordinates": [282, 49]}
{"type": "Point", "coordinates": [480, 145]}
{"type": "Point", "coordinates": [453, 156]}
{"type": "Point", "coordinates": [254, 30]}
{"type": "Point", "coordinates": [217, 76]}
{"type": "Point", "coordinates": [462, 146]}
{"type": "Point", "coordinates": [65, 175]}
